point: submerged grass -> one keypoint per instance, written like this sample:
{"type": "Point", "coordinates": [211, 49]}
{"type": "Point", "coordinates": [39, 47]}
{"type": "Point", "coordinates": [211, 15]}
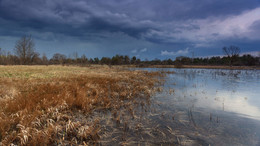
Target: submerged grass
{"type": "Point", "coordinates": [54, 104]}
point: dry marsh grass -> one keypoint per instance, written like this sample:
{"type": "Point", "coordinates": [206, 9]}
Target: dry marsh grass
{"type": "Point", "coordinates": [43, 105]}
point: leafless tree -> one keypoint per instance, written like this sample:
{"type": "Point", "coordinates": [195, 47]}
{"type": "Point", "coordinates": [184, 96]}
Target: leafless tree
{"type": "Point", "coordinates": [75, 55]}
{"type": "Point", "coordinates": [232, 52]}
{"type": "Point", "coordinates": [2, 52]}
{"type": "Point", "coordinates": [58, 58]}
{"type": "Point", "coordinates": [24, 49]}
{"type": "Point", "coordinates": [1, 56]}
{"type": "Point", "coordinates": [44, 59]}
{"type": "Point", "coordinates": [83, 59]}
{"type": "Point", "coordinates": [35, 58]}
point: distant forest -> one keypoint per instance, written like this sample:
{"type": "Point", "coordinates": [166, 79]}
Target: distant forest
{"type": "Point", "coordinates": [25, 54]}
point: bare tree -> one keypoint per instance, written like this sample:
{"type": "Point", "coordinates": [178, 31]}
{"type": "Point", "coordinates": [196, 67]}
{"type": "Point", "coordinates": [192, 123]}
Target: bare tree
{"type": "Point", "coordinates": [44, 59]}
{"type": "Point", "coordinates": [83, 59]}
{"type": "Point", "coordinates": [24, 49]}
{"type": "Point", "coordinates": [58, 58]}
{"type": "Point", "coordinates": [75, 55]}
{"type": "Point", "coordinates": [1, 56]}
{"type": "Point", "coordinates": [35, 58]}
{"type": "Point", "coordinates": [232, 53]}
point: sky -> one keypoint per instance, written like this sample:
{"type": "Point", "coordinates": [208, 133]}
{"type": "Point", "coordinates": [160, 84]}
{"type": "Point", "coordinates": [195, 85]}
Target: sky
{"type": "Point", "coordinates": [147, 29]}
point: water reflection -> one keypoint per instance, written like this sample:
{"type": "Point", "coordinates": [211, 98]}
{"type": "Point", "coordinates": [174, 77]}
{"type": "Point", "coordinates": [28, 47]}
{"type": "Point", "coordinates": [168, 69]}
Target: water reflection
{"type": "Point", "coordinates": [196, 107]}
{"type": "Point", "coordinates": [219, 107]}
{"type": "Point", "coordinates": [233, 91]}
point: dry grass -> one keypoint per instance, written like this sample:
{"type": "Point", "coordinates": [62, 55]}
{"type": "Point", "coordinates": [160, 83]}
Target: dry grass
{"type": "Point", "coordinates": [52, 104]}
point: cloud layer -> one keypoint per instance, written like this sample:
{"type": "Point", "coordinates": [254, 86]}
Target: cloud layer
{"type": "Point", "coordinates": [122, 26]}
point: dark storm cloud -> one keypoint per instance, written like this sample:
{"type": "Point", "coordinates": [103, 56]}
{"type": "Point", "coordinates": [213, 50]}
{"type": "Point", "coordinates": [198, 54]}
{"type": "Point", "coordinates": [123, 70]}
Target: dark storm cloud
{"type": "Point", "coordinates": [126, 16]}
{"type": "Point", "coordinates": [184, 23]}
{"type": "Point", "coordinates": [169, 10]}
{"type": "Point", "coordinates": [71, 18]}
{"type": "Point", "coordinates": [100, 25]}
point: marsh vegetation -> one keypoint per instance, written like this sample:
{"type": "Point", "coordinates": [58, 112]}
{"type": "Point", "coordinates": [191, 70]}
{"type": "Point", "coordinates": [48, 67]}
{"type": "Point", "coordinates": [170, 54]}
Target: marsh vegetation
{"type": "Point", "coordinates": [102, 105]}
{"type": "Point", "coordinates": [57, 105]}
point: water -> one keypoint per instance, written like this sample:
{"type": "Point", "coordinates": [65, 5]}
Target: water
{"type": "Point", "coordinates": [222, 105]}
{"type": "Point", "coordinates": [225, 91]}
{"type": "Point", "coordinates": [196, 107]}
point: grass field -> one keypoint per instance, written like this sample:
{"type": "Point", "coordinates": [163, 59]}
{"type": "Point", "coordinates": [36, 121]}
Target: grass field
{"type": "Point", "coordinates": [53, 104]}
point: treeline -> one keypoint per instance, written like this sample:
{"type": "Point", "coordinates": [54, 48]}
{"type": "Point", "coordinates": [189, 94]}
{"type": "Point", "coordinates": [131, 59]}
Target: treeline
{"type": "Point", "coordinates": [83, 60]}
{"type": "Point", "coordinates": [245, 60]}
{"type": "Point", "coordinates": [25, 54]}
{"type": "Point", "coordinates": [58, 58]}
{"type": "Point", "coordinates": [37, 59]}
{"type": "Point", "coordinates": [11, 59]}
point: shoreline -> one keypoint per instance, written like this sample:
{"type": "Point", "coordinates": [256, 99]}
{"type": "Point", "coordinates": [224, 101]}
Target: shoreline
{"type": "Point", "coordinates": [150, 66]}
{"type": "Point", "coordinates": [200, 67]}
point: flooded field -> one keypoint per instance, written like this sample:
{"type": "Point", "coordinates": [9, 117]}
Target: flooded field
{"type": "Point", "coordinates": [195, 107]}
{"type": "Point", "coordinates": [102, 105]}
